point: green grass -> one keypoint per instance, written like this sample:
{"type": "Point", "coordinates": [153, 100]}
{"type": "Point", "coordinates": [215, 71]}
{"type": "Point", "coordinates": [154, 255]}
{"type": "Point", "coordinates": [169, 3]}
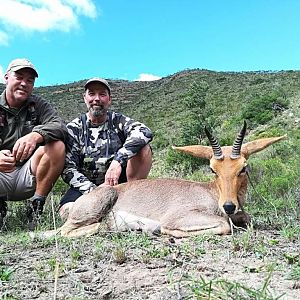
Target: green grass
{"type": "Point", "coordinates": [6, 273]}
{"type": "Point", "coordinates": [223, 289]}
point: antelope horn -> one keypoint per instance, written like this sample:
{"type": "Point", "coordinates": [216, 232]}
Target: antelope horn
{"type": "Point", "coordinates": [214, 144]}
{"type": "Point", "coordinates": [237, 145]}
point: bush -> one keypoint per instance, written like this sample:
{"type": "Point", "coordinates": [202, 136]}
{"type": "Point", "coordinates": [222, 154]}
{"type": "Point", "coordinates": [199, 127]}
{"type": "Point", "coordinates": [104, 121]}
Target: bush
{"type": "Point", "coordinates": [263, 109]}
{"type": "Point", "coordinates": [182, 163]}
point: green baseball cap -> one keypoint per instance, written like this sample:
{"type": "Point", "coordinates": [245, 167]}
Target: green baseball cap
{"type": "Point", "coordinates": [98, 79]}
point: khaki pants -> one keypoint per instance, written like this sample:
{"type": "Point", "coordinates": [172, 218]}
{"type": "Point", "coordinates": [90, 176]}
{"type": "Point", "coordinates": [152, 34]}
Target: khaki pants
{"type": "Point", "coordinates": [19, 184]}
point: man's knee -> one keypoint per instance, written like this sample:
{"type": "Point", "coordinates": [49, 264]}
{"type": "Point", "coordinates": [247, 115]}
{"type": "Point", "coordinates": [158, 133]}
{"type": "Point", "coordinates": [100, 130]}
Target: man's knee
{"type": "Point", "coordinates": [55, 149]}
{"type": "Point", "coordinates": [139, 166]}
{"type": "Point", "coordinates": [145, 154]}
{"type": "Point", "coordinates": [51, 155]}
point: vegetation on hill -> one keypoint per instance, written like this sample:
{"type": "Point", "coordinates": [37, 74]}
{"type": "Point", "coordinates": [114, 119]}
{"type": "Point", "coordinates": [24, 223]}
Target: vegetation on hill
{"type": "Point", "coordinates": [177, 108]}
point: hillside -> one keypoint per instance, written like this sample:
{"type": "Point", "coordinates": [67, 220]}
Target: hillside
{"type": "Point", "coordinates": [178, 106]}
{"type": "Point", "coordinates": [159, 103]}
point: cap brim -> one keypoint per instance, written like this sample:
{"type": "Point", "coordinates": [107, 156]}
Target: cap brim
{"type": "Point", "coordinates": [99, 81]}
{"type": "Point", "coordinates": [14, 69]}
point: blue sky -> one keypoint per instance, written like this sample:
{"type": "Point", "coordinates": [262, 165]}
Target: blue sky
{"type": "Point", "coordinates": [71, 40]}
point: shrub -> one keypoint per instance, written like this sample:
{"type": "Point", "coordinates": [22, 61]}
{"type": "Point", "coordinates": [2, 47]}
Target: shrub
{"type": "Point", "coordinates": [262, 109]}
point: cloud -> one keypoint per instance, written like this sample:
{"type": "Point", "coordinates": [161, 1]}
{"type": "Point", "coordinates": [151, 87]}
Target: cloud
{"type": "Point", "coordinates": [43, 15]}
{"type": "Point", "coordinates": [1, 75]}
{"type": "Point", "coordinates": [3, 38]}
{"type": "Point", "coordinates": [147, 77]}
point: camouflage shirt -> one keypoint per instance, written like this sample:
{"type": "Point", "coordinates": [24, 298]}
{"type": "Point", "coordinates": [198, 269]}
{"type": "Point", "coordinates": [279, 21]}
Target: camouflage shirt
{"type": "Point", "coordinates": [91, 148]}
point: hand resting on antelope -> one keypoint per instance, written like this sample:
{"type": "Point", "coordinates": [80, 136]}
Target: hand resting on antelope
{"type": "Point", "coordinates": [179, 208]}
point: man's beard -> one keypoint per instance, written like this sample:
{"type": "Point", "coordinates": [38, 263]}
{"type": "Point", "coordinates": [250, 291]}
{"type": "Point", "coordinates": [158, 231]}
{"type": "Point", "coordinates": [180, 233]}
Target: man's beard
{"type": "Point", "coordinates": [97, 111]}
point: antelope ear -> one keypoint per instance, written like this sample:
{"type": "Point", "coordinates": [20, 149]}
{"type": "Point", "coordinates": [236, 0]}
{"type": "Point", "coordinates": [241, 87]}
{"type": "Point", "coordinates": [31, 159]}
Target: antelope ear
{"type": "Point", "coordinates": [196, 150]}
{"type": "Point", "coordinates": [260, 144]}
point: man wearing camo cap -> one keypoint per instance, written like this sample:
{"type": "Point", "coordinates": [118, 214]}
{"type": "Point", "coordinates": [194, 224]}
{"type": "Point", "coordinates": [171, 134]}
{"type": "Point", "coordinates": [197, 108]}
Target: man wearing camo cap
{"type": "Point", "coordinates": [104, 147]}
{"type": "Point", "coordinates": [32, 149]}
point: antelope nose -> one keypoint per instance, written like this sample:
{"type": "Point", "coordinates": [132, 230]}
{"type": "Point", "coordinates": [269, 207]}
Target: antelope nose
{"type": "Point", "coordinates": [229, 208]}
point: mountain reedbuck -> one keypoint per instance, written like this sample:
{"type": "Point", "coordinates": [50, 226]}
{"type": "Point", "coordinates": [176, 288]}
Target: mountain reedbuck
{"type": "Point", "coordinates": [175, 207]}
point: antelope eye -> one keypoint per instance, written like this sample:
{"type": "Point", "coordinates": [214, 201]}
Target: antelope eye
{"type": "Point", "coordinates": [243, 171]}
{"type": "Point", "coordinates": [213, 171]}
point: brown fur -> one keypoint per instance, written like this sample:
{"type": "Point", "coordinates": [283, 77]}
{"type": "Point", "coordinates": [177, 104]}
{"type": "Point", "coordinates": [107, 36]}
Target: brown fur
{"type": "Point", "coordinates": [172, 206]}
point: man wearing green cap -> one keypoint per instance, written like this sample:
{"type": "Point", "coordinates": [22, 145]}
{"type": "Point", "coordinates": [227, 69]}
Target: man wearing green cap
{"type": "Point", "coordinates": [32, 135]}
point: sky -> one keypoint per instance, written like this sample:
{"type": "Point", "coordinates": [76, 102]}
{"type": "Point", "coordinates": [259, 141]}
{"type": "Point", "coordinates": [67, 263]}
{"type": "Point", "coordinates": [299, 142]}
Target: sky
{"type": "Point", "coordinates": [71, 40]}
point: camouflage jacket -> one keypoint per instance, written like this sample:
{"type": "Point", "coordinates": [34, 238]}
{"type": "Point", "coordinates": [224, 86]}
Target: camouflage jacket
{"type": "Point", "coordinates": [36, 115]}
{"type": "Point", "coordinates": [91, 148]}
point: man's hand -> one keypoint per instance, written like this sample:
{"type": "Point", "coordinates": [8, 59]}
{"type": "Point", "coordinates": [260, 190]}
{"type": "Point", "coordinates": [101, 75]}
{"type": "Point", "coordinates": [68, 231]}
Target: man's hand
{"type": "Point", "coordinates": [113, 173]}
{"type": "Point", "coordinates": [25, 145]}
{"type": "Point", "coordinates": [7, 161]}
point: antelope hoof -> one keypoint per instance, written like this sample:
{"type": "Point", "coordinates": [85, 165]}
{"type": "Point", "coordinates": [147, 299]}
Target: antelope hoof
{"type": "Point", "coordinates": [241, 219]}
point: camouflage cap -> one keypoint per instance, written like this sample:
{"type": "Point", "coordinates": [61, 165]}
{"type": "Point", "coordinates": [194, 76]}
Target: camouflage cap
{"type": "Point", "coordinates": [98, 79]}
{"type": "Point", "coordinates": [21, 63]}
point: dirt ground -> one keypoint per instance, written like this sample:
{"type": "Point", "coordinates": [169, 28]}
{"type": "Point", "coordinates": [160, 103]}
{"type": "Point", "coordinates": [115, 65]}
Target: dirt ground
{"type": "Point", "coordinates": [135, 266]}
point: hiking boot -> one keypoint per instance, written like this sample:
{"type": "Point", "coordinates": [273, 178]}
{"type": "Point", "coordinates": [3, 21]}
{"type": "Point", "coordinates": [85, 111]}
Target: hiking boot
{"type": "Point", "coordinates": [34, 211]}
{"type": "Point", "coordinates": [3, 211]}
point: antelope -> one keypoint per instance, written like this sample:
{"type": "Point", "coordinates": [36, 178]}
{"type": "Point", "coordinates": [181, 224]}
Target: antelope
{"type": "Point", "coordinates": [179, 208]}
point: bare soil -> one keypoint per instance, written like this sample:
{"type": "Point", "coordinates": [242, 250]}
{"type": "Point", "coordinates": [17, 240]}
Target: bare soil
{"type": "Point", "coordinates": [135, 266]}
